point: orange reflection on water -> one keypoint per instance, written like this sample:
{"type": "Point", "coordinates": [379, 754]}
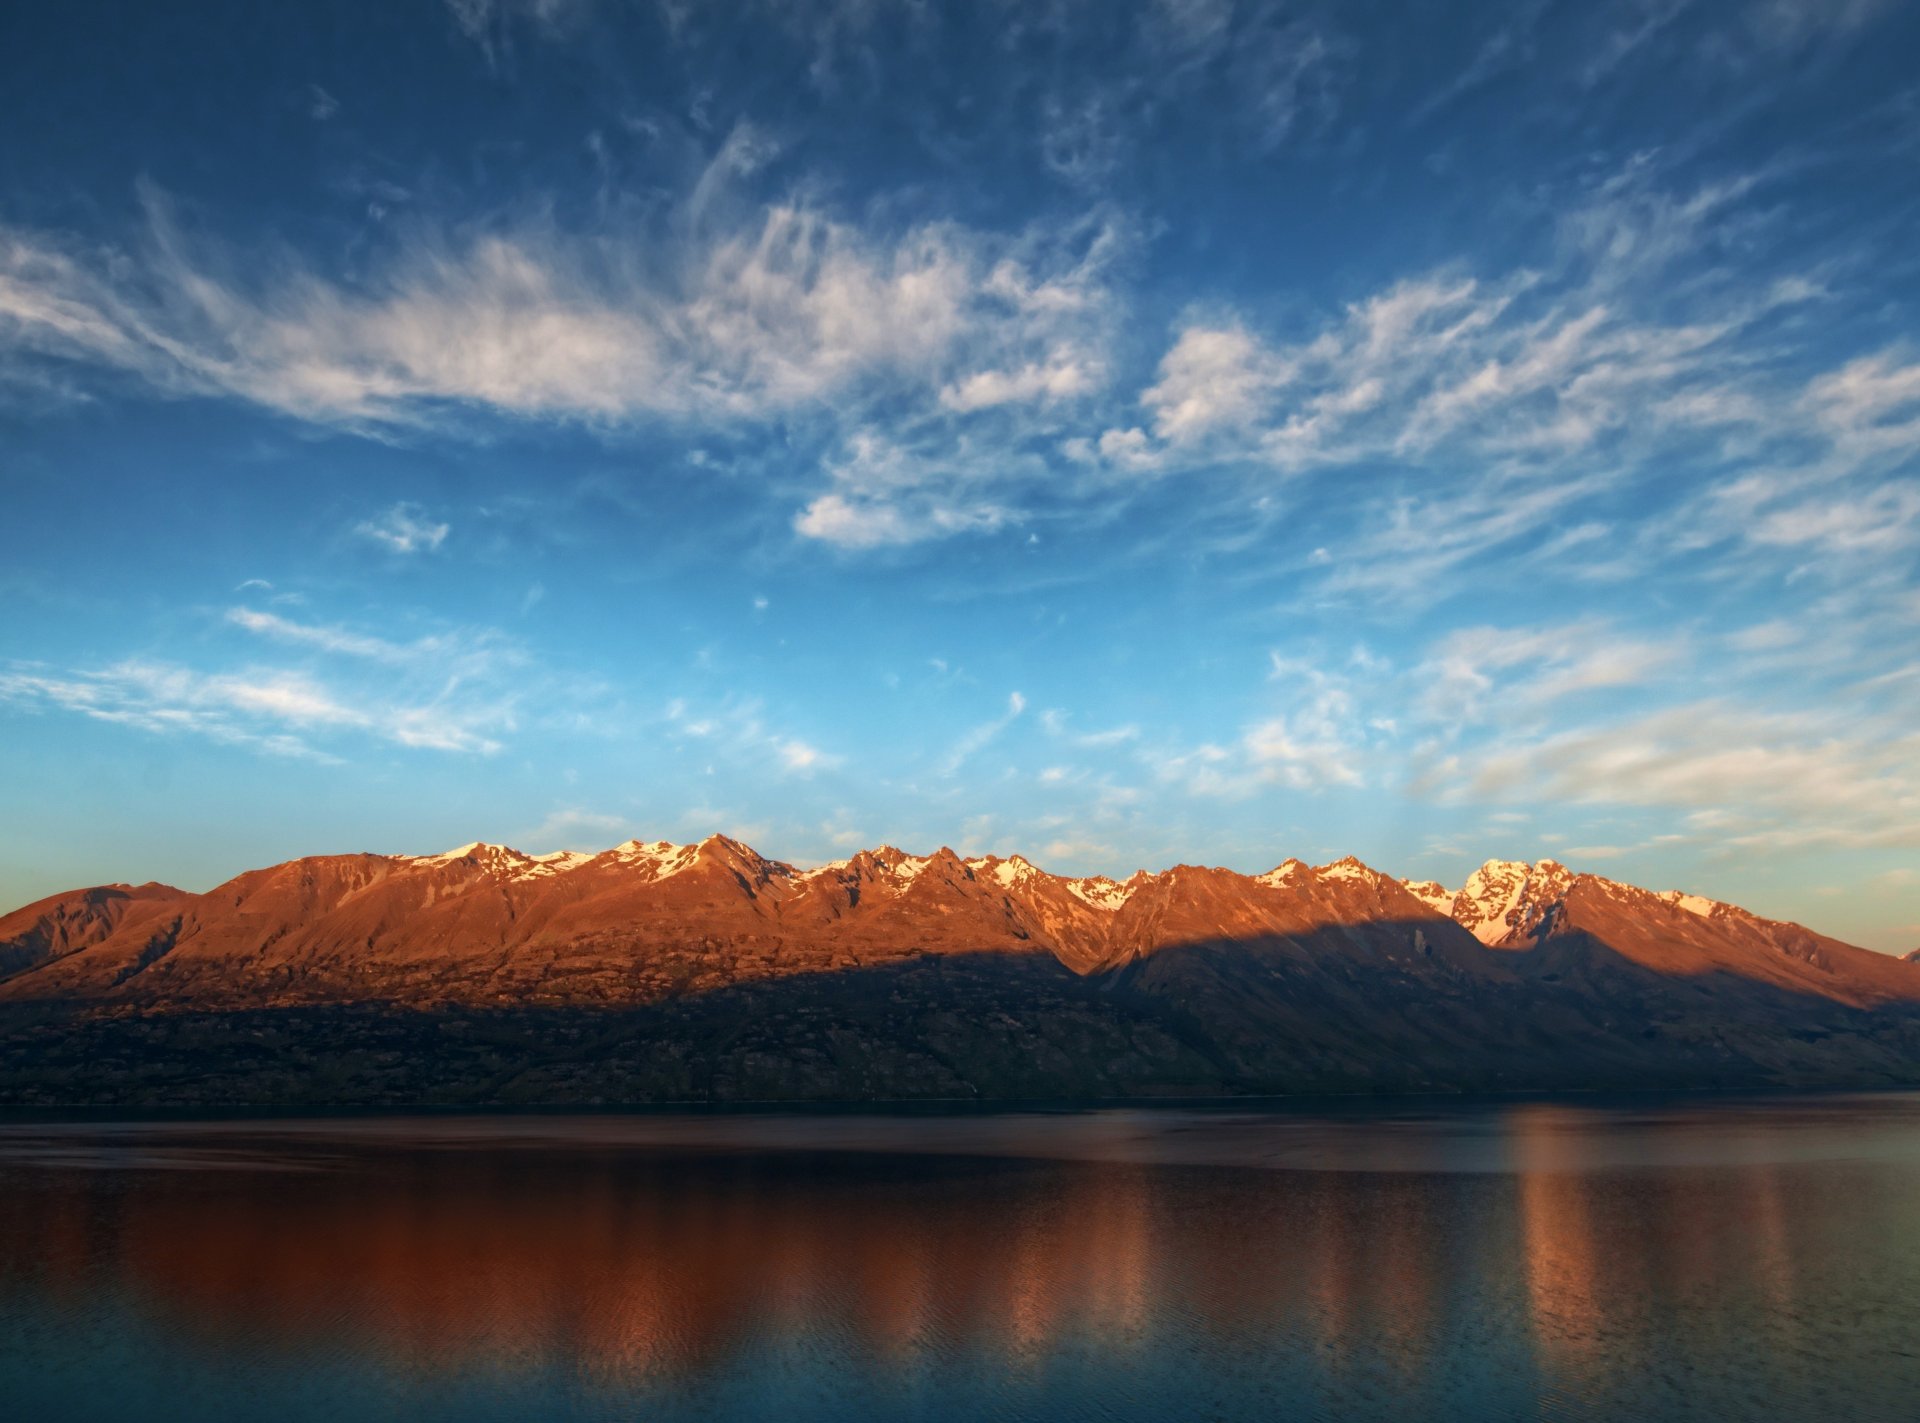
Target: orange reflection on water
{"type": "Point", "coordinates": [624, 1265]}
{"type": "Point", "coordinates": [623, 1269]}
{"type": "Point", "coordinates": [1557, 1233]}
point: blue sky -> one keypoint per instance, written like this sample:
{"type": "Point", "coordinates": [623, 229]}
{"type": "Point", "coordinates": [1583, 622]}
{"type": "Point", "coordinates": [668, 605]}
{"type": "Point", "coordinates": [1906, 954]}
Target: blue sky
{"type": "Point", "coordinates": [1199, 430]}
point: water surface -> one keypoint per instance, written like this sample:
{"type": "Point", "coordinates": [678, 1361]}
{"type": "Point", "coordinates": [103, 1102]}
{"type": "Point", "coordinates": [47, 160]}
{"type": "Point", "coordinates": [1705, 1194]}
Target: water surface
{"type": "Point", "coordinates": [1703, 1260]}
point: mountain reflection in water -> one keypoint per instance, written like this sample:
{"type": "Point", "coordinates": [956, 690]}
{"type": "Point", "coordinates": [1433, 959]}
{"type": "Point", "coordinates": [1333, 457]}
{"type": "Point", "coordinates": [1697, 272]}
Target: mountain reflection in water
{"type": "Point", "coordinates": [1744, 1259]}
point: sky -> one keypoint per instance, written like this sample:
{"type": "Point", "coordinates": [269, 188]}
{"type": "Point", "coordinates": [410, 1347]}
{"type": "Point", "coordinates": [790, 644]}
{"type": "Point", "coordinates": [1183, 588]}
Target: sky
{"type": "Point", "coordinates": [1200, 431]}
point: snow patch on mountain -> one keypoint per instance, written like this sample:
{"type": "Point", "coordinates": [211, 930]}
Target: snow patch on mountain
{"type": "Point", "coordinates": [1281, 875]}
{"type": "Point", "coordinates": [447, 857]}
{"type": "Point", "coordinates": [1505, 901]}
{"type": "Point", "coordinates": [1431, 893]}
{"type": "Point", "coordinates": [1101, 892]}
{"type": "Point", "coordinates": [658, 859]}
{"type": "Point", "coordinates": [556, 862]}
{"type": "Point", "coordinates": [1692, 903]}
{"type": "Point", "coordinates": [1486, 902]}
{"type": "Point", "coordinates": [1014, 871]}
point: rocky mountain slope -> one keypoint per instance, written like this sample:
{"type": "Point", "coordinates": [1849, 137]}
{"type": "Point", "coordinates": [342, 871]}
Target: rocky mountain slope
{"type": "Point", "coordinates": [656, 970]}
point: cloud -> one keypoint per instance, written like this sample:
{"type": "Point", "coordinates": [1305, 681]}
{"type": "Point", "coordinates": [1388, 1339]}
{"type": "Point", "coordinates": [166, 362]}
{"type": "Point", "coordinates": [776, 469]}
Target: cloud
{"type": "Point", "coordinates": [720, 313]}
{"type": "Point", "coordinates": [490, 25]}
{"type": "Point", "coordinates": [1411, 548]}
{"type": "Point", "coordinates": [1749, 777]}
{"type": "Point", "coordinates": [740, 727]}
{"type": "Point", "coordinates": [1870, 404]}
{"type": "Point", "coordinates": [864, 522]}
{"type": "Point", "coordinates": [567, 827]}
{"type": "Point", "coordinates": [1062, 376]}
{"type": "Point", "coordinates": [1477, 419]}
{"type": "Point", "coordinates": [404, 529]}
{"type": "Point", "coordinates": [883, 493]}
{"type": "Point", "coordinates": [1315, 738]}
{"type": "Point", "coordinates": [971, 742]}
{"type": "Point", "coordinates": [1212, 376]}
{"type": "Point", "coordinates": [783, 308]}
{"type": "Point", "coordinates": [1476, 670]}
{"type": "Point", "coordinates": [327, 639]}
{"type": "Point", "coordinates": [274, 710]}
{"type": "Point", "coordinates": [1881, 520]}
{"type": "Point", "coordinates": [1055, 722]}
{"type": "Point", "coordinates": [799, 756]}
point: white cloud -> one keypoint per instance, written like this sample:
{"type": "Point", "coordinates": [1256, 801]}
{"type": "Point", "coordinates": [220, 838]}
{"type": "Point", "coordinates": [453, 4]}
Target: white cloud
{"type": "Point", "coordinates": [327, 639]}
{"type": "Point", "coordinates": [1475, 670]}
{"type": "Point", "coordinates": [1212, 376]}
{"type": "Point", "coordinates": [974, 740]}
{"type": "Point", "coordinates": [1064, 375]}
{"type": "Point", "coordinates": [1880, 520]}
{"type": "Point", "coordinates": [885, 494]}
{"type": "Point", "coordinates": [274, 710]}
{"type": "Point", "coordinates": [1316, 738]}
{"type": "Point", "coordinates": [1055, 722]}
{"type": "Point", "coordinates": [859, 522]}
{"type": "Point", "coordinates": [573, 828]}
{"type": "Point", "coordinates": [1412, 548]}
{"type": "Point", "coordinates": [799, 756]}
{"type": "Point", "coordinates": [1869, 404]}
{"type": "Point", "coordinates": [784, 308]}
{"type": "Point", "coordinates": [1750, 777]}
{"type": "Point", "coordinates": [465, 657]}
{"type": "Point", "coordinates": [404, 529]}
{"type": "Point", "coordinates": [740, 727]}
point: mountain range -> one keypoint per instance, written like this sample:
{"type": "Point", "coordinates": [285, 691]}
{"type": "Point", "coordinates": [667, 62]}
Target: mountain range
{"type": "Point", "coordinates": [668, 972]}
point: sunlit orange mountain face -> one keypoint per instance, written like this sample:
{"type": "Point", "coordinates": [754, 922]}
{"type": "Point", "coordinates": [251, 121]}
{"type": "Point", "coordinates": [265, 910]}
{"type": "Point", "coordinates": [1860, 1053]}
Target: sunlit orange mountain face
{"type": "Point", "coordinates": [666, 972]}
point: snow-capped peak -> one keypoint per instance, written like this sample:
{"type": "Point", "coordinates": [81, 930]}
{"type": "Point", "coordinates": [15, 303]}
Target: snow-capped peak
{"type": "Point", "coordinates": [1432, 893]}
{"type": "Point", "coordinates": [1348, 867]}
{"type": "Point", "coordinates": [656, 859]}
{"type": "Point", "coordinates": [503, 861]}
{"type": "Point", "coordinates": [1013, 870]}
{"type": "Point", "coordinates": [1281, 874]}
{"type": "Point", "coordinates": [906, 868]}
{"type": "Point", "coordinates": [477, 848]}
{"type": "Point", "coordinates": [499, 859]}
{"type": "Point", "coordinates": [1504, 899]}
{"type": "Point", "coordinates": [554, 862]}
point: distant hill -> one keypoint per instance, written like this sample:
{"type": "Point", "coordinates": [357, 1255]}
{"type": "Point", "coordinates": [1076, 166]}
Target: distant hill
{"type": "Point", "coordinates": [657, 971]}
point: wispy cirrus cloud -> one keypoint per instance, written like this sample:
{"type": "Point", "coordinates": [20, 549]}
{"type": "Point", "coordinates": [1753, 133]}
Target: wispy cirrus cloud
{"type": "Point", "coordinates": [278, 711]}
{"type": "Point", "coordinates": [788, 306]}
{"type": "Point", "coordinates": [737, 728]}
{"type": "Point", "coordinates": [1476, 671]}
{"type": "Point", "coordinates": [459, 689]}
{"type": "Point", "coordinates": [976, 738]}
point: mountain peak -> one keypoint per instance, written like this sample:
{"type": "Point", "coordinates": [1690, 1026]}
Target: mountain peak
{"type": "Point", "coordinates": [1348, 867]}
{"type": "Point", "coordinates": [1504, 900]}
{"type": "Point", "coordinates": [469, 850]}
{"type": "Point", "coordinates": [1431, 893]}
{"type": "Point", "coordinates": [1283, 873]}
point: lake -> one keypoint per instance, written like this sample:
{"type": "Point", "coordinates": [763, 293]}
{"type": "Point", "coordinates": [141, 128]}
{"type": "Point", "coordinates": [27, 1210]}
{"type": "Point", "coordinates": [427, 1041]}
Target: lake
{"type": "Point", "coordinates": [1726, 1259]}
